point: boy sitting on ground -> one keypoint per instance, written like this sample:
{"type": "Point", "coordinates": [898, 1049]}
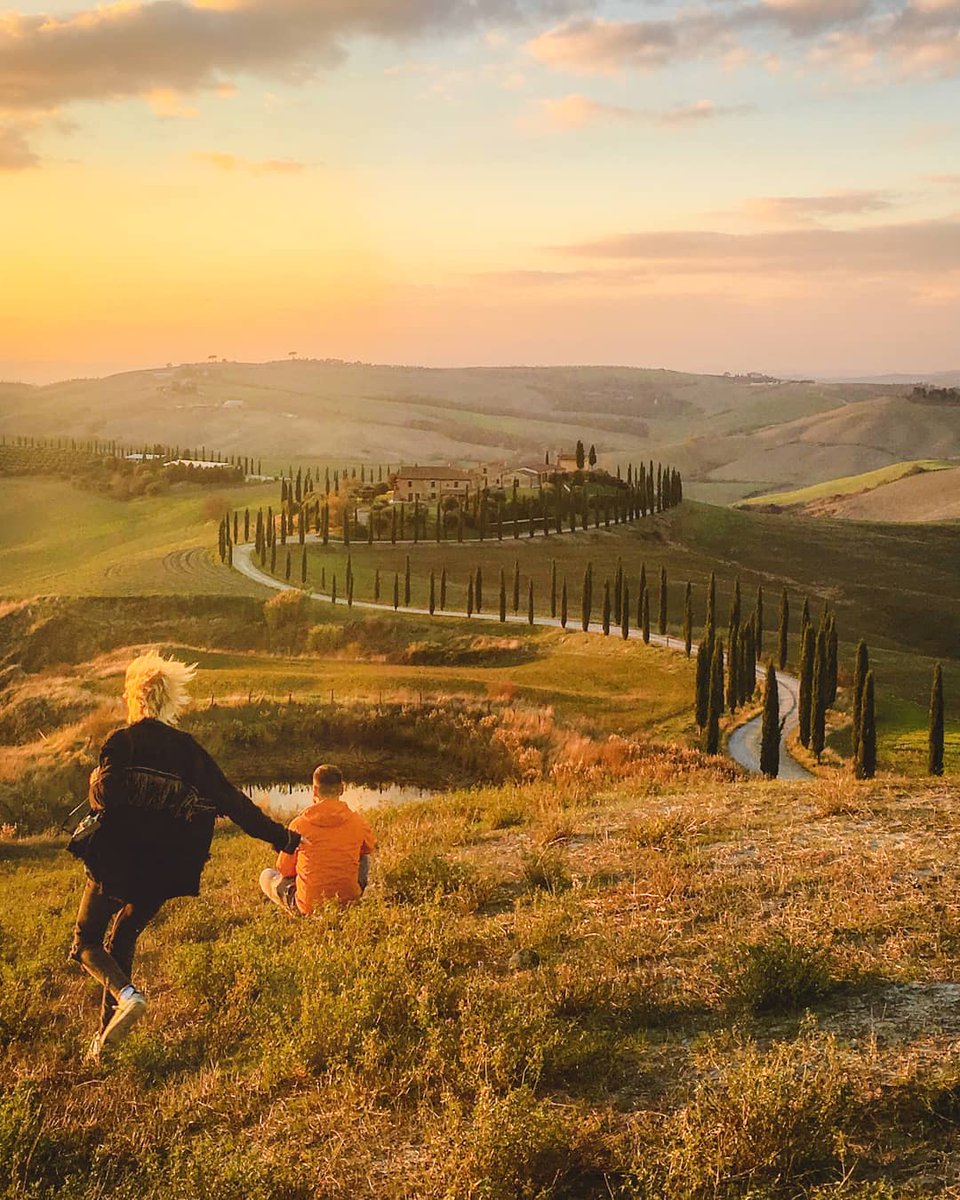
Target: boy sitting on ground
{"type": "Point", "coordinates": [333, 857]}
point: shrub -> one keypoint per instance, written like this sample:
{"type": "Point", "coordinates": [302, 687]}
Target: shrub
{"type": "Point", "coordinates": [546, 869]}
{"type": "Point", "coordinates": [286, 615]}
{"type": "Point", "coordinates": [422, 876]}
{"type": "Point", "coordinates": [779, 975]}
{"type": "Point", "coordinates": [325, 639]}
{"type": "Point", "coordinates": [756, 1119]}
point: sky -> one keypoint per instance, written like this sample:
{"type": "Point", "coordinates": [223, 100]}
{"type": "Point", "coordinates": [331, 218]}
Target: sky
{"type": "Point", "coordinates": [732, 185]}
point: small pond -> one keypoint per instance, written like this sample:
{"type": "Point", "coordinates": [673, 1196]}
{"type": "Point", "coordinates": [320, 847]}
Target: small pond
{"type": "Point", "coordinates": [283, 801]}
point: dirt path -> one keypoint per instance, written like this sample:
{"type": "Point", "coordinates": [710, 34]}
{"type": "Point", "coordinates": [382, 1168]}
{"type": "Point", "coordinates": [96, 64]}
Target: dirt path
{"type": "Point", "coordinates": [744, 742]}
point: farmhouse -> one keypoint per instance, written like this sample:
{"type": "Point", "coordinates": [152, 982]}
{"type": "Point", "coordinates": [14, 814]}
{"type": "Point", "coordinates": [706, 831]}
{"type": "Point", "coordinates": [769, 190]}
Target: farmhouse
{"type": "Point", "coordinates": [430, 483]}
{"type": "Point", "coordinates": [524, 475]}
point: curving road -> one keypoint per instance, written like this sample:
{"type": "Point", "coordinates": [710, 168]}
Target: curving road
{"type": "Point", "coordinates": [743, 744]}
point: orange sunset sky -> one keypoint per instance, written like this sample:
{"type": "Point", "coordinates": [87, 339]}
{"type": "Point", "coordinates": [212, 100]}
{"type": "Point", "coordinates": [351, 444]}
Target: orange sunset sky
{"type": "Point", "coordinates": [732, 185]}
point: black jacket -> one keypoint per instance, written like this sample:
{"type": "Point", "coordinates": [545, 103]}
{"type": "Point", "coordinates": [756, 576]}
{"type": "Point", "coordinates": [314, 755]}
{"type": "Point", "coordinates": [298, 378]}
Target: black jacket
{"type": "Point", "coordinates": [159, 793]}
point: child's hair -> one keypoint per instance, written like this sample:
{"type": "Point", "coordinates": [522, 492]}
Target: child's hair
{"type": "Point", "coordinates": [156, 687]}
{"type": "Point", "coordinates": [327, 778]}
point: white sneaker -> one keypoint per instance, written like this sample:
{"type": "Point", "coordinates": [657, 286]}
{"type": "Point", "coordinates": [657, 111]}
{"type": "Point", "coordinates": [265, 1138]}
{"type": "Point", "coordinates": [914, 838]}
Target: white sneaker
{"type": "Point", "coordinates": [127, 1013]}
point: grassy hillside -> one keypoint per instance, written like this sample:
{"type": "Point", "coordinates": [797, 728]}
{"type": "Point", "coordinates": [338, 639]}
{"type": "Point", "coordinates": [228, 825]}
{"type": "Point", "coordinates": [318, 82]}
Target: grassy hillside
{"type": "Point", "coordinates": [671, 986]}
{"type": "Point", "coordinates": [895, 586]}
{"type": "Point", "coordinates": [732, 435]}
{"type": "Point", "coordinates": [59, 539]}
{"type": "Point", "coordinates": [850, 485]}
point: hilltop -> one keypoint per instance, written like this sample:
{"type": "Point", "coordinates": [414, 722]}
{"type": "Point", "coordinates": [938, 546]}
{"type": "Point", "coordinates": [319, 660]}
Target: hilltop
{"type": "Point", "coordinates": [731, 435]}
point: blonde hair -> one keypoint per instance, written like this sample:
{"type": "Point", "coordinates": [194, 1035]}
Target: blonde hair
{"type": "Point", "coordinates": [155, 686]}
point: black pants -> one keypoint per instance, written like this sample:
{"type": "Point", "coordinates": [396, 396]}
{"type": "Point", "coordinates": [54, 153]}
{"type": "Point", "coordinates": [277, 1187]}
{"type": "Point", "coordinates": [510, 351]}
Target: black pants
{"type": "Point", "coordinates": [108, 956]}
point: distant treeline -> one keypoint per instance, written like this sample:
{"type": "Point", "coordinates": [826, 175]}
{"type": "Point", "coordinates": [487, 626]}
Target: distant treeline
{"type": "Point", "coordinates": [120, 471]}
{"type": "Point", "coordinates": [922, 394]}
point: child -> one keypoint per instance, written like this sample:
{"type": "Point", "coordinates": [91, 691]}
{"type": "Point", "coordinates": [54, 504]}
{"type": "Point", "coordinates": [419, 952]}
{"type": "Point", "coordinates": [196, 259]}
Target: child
{"type": "Point", "coordinates": [332, 860]}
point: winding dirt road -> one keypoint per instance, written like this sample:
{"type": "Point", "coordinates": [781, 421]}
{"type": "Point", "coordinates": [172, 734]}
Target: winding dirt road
{"type": "Point", "coordinates": [743, 744]}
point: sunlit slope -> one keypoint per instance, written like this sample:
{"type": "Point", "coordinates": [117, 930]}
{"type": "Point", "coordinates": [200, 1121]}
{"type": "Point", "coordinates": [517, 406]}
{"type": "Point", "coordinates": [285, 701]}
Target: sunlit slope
{"type": "Point", "coordinates": [57, 539]}
{"type": "Point", "coordinates": [843, 489]}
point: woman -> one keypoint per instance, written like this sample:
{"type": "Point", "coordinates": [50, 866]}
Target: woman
{"type": "Point", "coordinates": [156, 795]}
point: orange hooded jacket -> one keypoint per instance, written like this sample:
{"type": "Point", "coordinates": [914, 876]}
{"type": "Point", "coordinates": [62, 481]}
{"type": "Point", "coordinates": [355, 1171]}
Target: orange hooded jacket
{"type": "Point", "coordinates": [333, 837]}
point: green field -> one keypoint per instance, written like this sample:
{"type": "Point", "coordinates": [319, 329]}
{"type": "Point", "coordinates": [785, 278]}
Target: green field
{"type": "Point", "coordinates": [61, 540]}
{"type": "Point", "coordinates": [851, 485]}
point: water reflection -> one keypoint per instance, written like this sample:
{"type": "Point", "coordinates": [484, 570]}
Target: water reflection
{"type": "Point", "coordinates": [283, 801]}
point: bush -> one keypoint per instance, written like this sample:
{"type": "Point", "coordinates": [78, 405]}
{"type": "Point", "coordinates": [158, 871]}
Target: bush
{"type": "Point", "coordinates": [422, 876]}
{"type": "Point", "coordinates": [325, 639]}
{"type": "Point", "coordinates": [546, 869]}
{"type": "Point", "coordinates": [780, 975]}
{"type": "Point", "coordinates": [756, 1119]}
{"type": "Point", "coordinates": [286, 616]}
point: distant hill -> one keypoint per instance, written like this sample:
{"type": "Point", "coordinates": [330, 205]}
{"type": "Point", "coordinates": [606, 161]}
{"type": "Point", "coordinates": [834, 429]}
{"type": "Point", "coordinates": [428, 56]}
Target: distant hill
{"type": "Point", "coordinates": [918, 491]}
{"type": "Point", "coordinates": [732, 436]}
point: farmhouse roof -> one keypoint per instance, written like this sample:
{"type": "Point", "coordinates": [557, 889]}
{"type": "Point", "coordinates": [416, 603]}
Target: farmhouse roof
{"type": "Point", "coordinates": [432, 473]}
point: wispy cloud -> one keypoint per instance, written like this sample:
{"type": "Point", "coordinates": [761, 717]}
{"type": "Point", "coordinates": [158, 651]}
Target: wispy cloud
{"type": "Point", "coordinates": [222, 161]}
{"type": "Point", "coordinates": [810, 209]}
{"type": "Point", "coordinates": [919, 247]}
{"type": "Point", "coordinates": [577, 111]}
{"type": "Point", "coordinates": [15, 153]}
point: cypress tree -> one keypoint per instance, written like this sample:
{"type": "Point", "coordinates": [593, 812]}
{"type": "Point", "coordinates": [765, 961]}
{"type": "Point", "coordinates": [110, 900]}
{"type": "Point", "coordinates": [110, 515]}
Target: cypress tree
{"type": "Point", "coordinates": [688, 619]}
{"type": "Point", "coordinates": [406, 582]}
{"type": "Point", "coordinates": [866, 761]}
{"type": "Point", "coordinates": [715, 702]}
{"type": "Point", "coordinates": [323, 579]}
{"type": "Point", "coordinates": [563, 604]}
{"type": "Point", "coordinates": [333, 589]}
{"type": "Point", "coordinates": [702, 697]}
{"type": "Point", "coordinates": [580, 455]}
{"type": "Point", "coordinates": [758, 630]}
{"type": "Point", "coordinates": [735, 608]}
{"type": "Point", "coordinates": [710, 619]}
{"type": "Point", "coordinates": [662, 607]}
{"type": "Point", "coordinates": [516, 585]}
{"type": "Point", "coordinates": [478, 590]}
{"type": "Point", "coordinates": [376, 585]}
{"type": "Point", "coordinates": [818, 722]}
{"type": "Point", "coordinates": [733, 669]}
{"type": "Point", "coordinates": [807, 655]}
{"type": "Point", "coordinates": [804, 617]}
{"type": "Point", "coordinates": [470, 595]}
{"type": "Point", "coordinates": [935, 739]}
{"type": "Point", "coordinates": [625, 611]}
{"type": "Point", "coordinates": [586, 599]}
{"type": "Point", "coordinates": [553, 589]}
{"type": "Point", "coordinates": [393, 525]}
{"type": "Point", "coordinates": [246, 525]}
{"type": "Point", "coordinates": [530, 612]}
{"type": "Point", "coordinates": [303, 565]}
{"type": "Point", "coordinates": [503, 595]}
{"type": "Point", "coordinates": [396, 590]}
{"type": "Point", "coordinates": [432, 603]}
{"type": "Point", "coordinates": [607, 608]}
{"type": "Point", "coordinates": [783, 629]}
{"type": "Point", "coordinates": [770, 726]}
{"type": "Point", "coordinates": [860, 668]}
{"type": "Point", "coordinates": [273, 558]}
{"type": "Point", "coordinates": [443, 588]}
{"type": "Point", "coordinates": [618, 588]}
{"type": "Point", "coordinates": [645, 619]}
{"type": "Point", "coordinates": [833, 663]}
{"type": "Point", "coordinates": [350, 590]}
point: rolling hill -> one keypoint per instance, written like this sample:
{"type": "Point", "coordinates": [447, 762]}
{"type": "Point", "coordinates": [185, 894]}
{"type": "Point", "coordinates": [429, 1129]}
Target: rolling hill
{"type": "Point", "coordinates": [733, 436]}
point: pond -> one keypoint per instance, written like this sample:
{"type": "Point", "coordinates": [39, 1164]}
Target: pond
{"type": "Point", "coordinates": [283, 801]}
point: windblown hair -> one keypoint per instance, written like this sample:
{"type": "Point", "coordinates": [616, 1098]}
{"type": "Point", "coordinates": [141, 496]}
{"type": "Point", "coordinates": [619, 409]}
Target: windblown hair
{"type": "Point", "coordinates": [157, 687]}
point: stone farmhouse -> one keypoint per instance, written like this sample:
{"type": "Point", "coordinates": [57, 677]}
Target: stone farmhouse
{"type": "Point", "coordinates": [431, 483]}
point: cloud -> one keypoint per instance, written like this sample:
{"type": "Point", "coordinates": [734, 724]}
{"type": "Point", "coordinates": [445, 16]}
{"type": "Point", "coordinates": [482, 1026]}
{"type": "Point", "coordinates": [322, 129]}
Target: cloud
{"type": "Point", "coordinates": [804, 209]}
{"type": "Point", "coordinates": [577, 111]}
{"type": "Point", "coordinates": [916, 38]}
{"type": "Point", "coordinates": [906, 248]}
{"type": "Point", "coordinates": [134, 47]}
{"type": "Point", "coordinates": [233, 162]}
{"type": "Point", "coordinates": [15, 153]}
{"type": "Point", "coordinates": [701, 110]}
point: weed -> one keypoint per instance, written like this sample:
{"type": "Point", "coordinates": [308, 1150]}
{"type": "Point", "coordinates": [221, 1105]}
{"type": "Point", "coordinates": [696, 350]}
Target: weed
{"type": "Point", "coordinates": [778, 974]}
{"type": "Point", "coordinates": [547, 869]}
